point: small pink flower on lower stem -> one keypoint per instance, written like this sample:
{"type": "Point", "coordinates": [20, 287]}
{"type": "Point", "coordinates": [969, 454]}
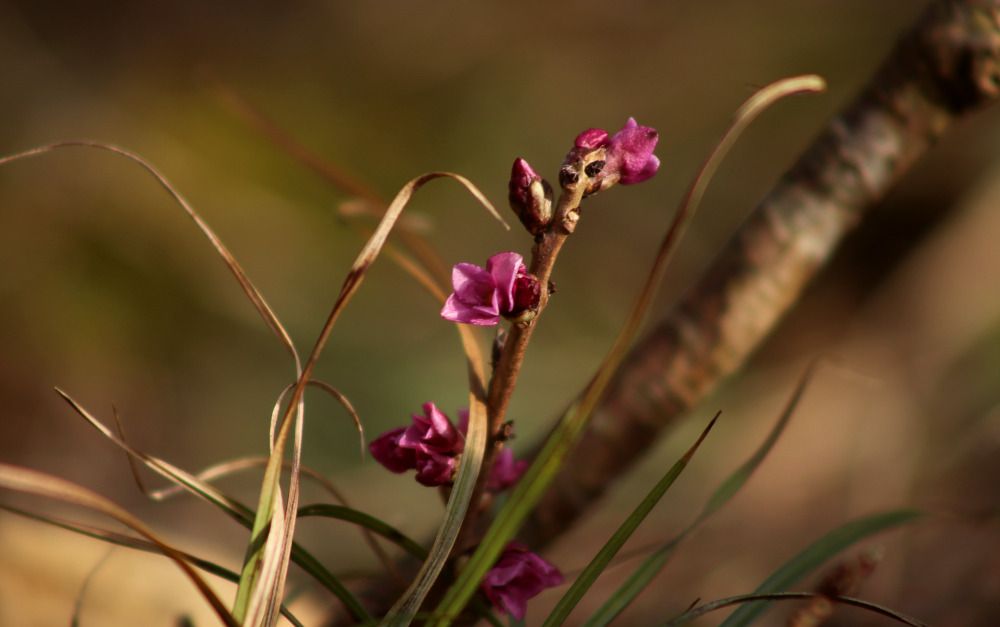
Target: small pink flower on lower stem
{"type": "Point", "coordinates": [517, 576]}
{"type": "Point", "coordinates": [482, 295]}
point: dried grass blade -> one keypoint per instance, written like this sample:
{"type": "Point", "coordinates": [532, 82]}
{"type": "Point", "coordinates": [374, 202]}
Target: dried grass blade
{"type": "Point", "coordinates": [701, 610]}
{"type": "Point", "coordinates": [256, 568]}
{"type": "Point", "coordinates": [40, 484]}
{"type": "Point", "coordinates": [251, 291]}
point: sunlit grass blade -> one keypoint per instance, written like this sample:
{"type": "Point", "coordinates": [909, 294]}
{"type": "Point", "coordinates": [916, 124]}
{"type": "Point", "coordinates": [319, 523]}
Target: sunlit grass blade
{"type": "Point", "coordinates": [603, 558]}
{"type": "Point", "coordinates": [533, 484]}
{"type": "Point", "coordinates": [653, 564]}
{"type": "Point", "coordinates": [815, 555]}
{"type": "Point", "coordinates": [262, 563]}
{"type": "Point", "coordinates": [40, 484]}
{"type": "Point", "coordinates": [756, 598]}
{"type": "Point", "coordinates": [132, 542]}
{"type": "Point", "coordinates": [236, 510]}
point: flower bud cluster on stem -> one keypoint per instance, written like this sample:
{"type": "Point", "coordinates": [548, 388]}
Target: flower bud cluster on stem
{"type": "Point", "coordinates": [508, 289]}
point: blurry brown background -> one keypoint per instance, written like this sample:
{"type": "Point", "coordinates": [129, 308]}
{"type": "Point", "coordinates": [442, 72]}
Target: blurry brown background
{"type": "Point", "coordinates": [109, 292]}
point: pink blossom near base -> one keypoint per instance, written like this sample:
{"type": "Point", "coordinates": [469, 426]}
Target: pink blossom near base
{"type": "Point", "coordinates": [518, 575]}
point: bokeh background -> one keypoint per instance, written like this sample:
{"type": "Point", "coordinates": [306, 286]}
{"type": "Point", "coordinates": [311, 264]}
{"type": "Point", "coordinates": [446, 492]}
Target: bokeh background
{"type": "Point", "coordinates": [109, 292]}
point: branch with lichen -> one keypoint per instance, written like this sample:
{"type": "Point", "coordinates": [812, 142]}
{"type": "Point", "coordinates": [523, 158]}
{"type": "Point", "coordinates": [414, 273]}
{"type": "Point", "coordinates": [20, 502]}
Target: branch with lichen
{"type": "Point", "coordinates": [945, 67]}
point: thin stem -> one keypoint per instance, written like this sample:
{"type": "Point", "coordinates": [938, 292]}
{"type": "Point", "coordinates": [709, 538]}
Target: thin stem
{"type": "Point", "coordinates": [508, 368]}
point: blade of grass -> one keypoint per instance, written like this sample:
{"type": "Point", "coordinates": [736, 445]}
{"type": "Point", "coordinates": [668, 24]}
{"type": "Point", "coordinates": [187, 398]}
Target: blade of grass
{"type": "Point", "coordinates": [261, 562]}
{"type": "Point", "coordinates": [597, 565]}
{"type": "Point", "coordinates": [654, 563]}
{"type": "Point", "coordinates": [131, 542]}
{"type": "Point", "coordinates": [743, 599]}
{"type": "Point", "coordinates": [533, 484]}
{"type": "Point", "coordinates": [74, 620]}
{"type": "Point", "coordinates": [813, 556]}
{"type": "Point", "coordinates": [366, 521]}
{"type": "Point", "coordinates": [40, 484]}
{"type": "Point", "coordinates": [251, 292]}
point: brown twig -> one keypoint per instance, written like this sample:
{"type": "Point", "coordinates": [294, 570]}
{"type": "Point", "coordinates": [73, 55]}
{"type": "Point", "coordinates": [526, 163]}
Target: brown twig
{"type": "Point", "coordinates": [947, 66]}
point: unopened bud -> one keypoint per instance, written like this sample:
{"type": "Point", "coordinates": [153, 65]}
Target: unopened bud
{"type": "Point", "coordinates": [530, 197]}
{"type": "Point", "coordinates": [527, 295]}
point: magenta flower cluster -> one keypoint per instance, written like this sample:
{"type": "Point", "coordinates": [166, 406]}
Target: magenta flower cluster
{"type": "Point", "coordinates": [432, 446]}
{"type": "Point", "coordinates": [630, 156]}
{"type": "Point", "coordinates": [518, 576]}
{"type": "Point", "coordinates": [482, 296]}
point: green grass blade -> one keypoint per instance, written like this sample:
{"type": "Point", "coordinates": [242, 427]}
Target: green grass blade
{"type": "Point", "coordinates": [815, 555]}
{"type": "Point", "coordinates": [636, 583]}
{"type": "Point", "coordinates": [653, 564]}
{"type": "Point", "coordinates": [597, 565]}
{"type": "Point", "coordinates": [367, 521]}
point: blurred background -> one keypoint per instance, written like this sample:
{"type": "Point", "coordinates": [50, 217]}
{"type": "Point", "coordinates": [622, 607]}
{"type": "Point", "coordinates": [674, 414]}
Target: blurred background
{"type": "Point", "coordinates": [109, 292]}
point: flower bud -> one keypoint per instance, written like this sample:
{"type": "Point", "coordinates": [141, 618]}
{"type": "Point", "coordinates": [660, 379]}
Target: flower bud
{"type": "Point", "coordinates": [530, 197]}
{"type": "Point", "coordinates": [526, 295]}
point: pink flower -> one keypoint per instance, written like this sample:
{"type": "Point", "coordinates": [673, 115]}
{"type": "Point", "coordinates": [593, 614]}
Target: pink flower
{"type": "Point", "coordinates": [433, 446]}
{"type": "Point", "coordinates": [518, 575]}
{"type": "Point", "coordinates": [482, 295]}
{"type": "Point", "coordinates": [630, 152]}
{"type": "Point", "coordinates": [630, 157]}
{"type": "Point", "coordinates": [506, 471]}
{"type": "Point", "coordinates": [430, 445]}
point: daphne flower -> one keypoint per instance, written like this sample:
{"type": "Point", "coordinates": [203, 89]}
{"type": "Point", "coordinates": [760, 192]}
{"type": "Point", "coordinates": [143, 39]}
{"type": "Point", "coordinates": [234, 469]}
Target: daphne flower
{"type": "Point", "coordinates": [628, 156]}
{"type": "Point", "coordinates": [630, 153]}
{"type": "Point", "coordinates": [431, 445]}
{"type": "Point", "coordinates": [518, 575]}
{"type": "Point", "coordinates": [482, 295]}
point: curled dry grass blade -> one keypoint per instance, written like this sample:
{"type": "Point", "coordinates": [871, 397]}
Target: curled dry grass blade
{"type": "Point", "coordinates": [603, 558]}
{"type": "Point", "coordinates": [652, 565]}
{"type": "Point", "coordinates": [533, 484]}
{"type": "Point", "coordinates": [236, 510]}
{"type": "Point", "coordinates": [815, 555]}
{"type": "Point", "coordinates": [265, 565]}
{"type": "Point", "coordinates": [40, 484]}
{"type": "Point", "coordinates": [252, 293]}
{"type": "Point", "coordinates": [132, 542]}
{"type": "Point", "coordinates": [743, 599]}
{"type": "Point", "coordinates": [335, 394]}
